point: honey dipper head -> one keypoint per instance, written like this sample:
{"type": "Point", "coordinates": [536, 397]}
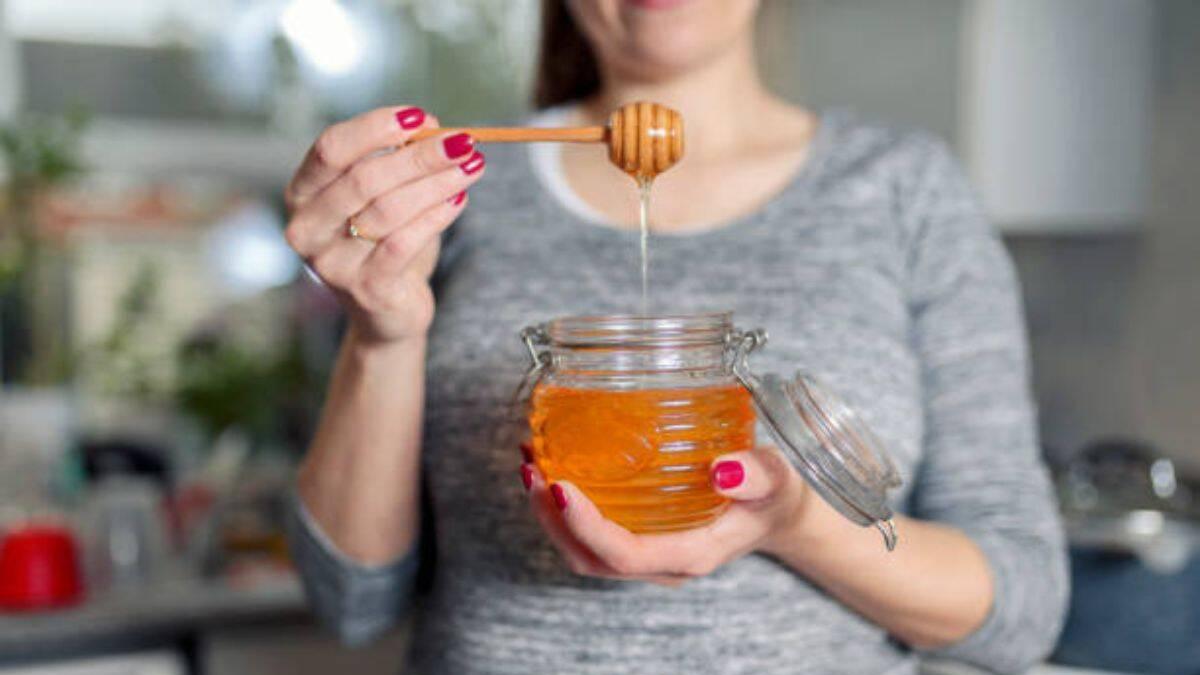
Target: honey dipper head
{"type": "Point", "coordinates": [645, 139]}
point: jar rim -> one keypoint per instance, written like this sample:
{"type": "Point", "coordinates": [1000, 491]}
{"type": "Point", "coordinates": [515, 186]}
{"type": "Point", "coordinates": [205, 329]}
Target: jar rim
{"type": "Point", "coordinates": [637, 330]}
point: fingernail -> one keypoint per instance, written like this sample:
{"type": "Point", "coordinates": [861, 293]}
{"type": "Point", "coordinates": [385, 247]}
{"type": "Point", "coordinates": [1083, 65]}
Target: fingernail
{"type": "Point", "coordinates": [560, 496]}
{"type": "Point", "coordinates": [527, 476]}
{"type": "Point", "coordinates": [410, 118]}
{"type": "Point", "coordinates": [472, 165]}
{"type": "Point", "coordinates": [457, 199]}
{"type": "Point", "coordinates": [458, 145]}
{"type": "Point", "coordinates": [526, 449]}
{"type": "Point", "coordinates": [728, 474]}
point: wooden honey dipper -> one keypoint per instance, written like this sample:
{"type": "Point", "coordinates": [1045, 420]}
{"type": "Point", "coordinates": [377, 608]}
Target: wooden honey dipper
{"type": "Point", "coordinates": [644, 139]}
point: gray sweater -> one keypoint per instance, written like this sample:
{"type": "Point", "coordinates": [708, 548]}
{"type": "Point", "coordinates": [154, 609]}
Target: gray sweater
{"type": "Point", "coordinates": [875, 271]}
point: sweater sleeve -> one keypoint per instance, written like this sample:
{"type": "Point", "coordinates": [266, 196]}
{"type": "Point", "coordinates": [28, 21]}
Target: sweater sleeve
{"type": "Point", "coordinates": [982, 471]}
{"type": "Point", "coordinates": [357, 601]}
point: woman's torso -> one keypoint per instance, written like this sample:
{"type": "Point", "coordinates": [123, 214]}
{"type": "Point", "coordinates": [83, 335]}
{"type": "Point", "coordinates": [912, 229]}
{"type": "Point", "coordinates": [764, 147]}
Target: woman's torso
{"type": "Point", "coordinates": [822, 267]}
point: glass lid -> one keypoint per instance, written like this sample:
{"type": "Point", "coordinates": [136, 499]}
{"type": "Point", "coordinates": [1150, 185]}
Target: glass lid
{"type": "Point", "coordinates": [824, 438]}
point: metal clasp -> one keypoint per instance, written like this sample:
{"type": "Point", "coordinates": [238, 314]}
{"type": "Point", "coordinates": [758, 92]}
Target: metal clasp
{"type": "Point", "coordinates": [535, 338]}
{"type": "Point", "coordinates": [888, 529]}
{"type": "Point", "coordinates": [740, 344]}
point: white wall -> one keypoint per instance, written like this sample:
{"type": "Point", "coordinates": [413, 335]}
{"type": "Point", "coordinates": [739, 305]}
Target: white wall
{"type": "Point", "coordinates": [895, 61]}
{"type": "Point", "coordinates": [10, 81]}
{"type": "Point", "coordinates": [1166, 386]}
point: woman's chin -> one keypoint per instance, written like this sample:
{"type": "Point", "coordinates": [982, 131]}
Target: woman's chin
{"type": "Point", "coordinates": [668, 57]}
{"type": "Point", "coordinates": [648, 70]}
{"type": "Point", "coordinates": [657, 4]}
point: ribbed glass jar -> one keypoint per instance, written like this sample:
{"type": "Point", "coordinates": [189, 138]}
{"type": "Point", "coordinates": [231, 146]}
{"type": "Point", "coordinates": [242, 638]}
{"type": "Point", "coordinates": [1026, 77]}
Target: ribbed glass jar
{"type": "Point", "coordinates": [632, 411]}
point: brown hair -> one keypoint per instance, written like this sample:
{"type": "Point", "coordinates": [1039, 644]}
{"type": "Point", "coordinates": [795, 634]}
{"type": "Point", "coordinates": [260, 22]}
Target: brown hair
{"type": "Point", "coordinates": [566, 67]}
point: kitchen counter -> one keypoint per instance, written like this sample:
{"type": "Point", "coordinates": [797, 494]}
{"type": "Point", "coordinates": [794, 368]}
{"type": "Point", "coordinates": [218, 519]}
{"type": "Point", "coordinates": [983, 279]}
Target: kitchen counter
{"type": "Point", "coordinates": [164, 613]}
{"type": "Point", "coordinates": [947, 668]}
{"type": "Point", "coordinates": [172, 613]}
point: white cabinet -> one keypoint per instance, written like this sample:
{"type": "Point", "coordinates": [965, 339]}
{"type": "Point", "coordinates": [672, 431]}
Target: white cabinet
{"type": "Point", "coordinates": [1055, 111]}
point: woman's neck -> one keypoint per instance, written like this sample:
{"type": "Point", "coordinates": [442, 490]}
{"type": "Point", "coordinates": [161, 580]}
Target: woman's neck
{"type": "Point", "coordinates": [743, 145]}
{"type": "Point", "coordinates": [715, 99]}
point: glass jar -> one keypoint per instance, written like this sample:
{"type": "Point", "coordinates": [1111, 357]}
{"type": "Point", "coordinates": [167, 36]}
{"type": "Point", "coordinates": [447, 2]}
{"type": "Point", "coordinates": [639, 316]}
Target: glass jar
{"type": "Point", "coordinates": [633, 409]}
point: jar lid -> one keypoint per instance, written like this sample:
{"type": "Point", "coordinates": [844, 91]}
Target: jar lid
{"type": "Point", "coordinates": [825, 439]}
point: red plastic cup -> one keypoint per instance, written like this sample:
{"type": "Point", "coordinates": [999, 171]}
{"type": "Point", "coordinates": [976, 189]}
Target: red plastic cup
{"type": "Point", "coordinates": [39, 569]}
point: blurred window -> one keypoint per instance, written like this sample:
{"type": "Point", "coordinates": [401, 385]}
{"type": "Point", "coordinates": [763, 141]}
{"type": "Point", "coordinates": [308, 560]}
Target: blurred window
{"type": "Point", "coordinates": [130, 23]}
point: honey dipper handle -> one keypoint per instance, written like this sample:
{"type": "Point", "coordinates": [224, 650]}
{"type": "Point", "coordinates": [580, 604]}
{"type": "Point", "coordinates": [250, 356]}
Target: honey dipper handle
{"type": "Point", "coordinates": [524, 134]}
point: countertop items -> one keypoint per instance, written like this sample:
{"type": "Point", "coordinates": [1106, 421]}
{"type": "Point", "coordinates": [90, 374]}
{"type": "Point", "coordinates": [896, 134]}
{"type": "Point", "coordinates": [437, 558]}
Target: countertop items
{"type": "Point", "coordinates": [1123, 496]}
{"type": "Point", "coordinates": [1132, 520]}
{"type": "Point", "coordinates": [39, 568]}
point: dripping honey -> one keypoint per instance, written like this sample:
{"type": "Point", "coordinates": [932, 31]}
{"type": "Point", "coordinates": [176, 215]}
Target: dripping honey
{"type": "Point", "coordinates": [644, 184]}
{"type": "Point", "coordinates": [642, 455]}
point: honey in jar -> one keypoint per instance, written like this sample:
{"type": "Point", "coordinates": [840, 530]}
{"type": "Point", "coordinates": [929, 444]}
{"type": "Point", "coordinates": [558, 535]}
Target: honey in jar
{"type": "Point", "coordinates": [642, 455]}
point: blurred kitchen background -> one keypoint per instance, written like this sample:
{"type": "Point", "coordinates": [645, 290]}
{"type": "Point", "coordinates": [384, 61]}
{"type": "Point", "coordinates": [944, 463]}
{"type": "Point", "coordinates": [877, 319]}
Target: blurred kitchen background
{"type": "Point", "coordinates": [162, 352]}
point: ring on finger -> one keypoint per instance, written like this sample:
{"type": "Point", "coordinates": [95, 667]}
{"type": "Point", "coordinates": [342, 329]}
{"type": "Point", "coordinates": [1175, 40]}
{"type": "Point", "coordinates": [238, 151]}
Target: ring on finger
{"type": "Point", "coordinates": [355, 232]}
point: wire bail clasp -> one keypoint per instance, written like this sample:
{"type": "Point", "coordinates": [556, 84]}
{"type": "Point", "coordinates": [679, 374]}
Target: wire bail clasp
{"type": "Point", "coordinates": [535, 338]}
{"type": "Point", "coordinates": [740, 344]}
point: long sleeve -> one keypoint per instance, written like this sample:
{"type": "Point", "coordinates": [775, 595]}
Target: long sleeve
{"type": "Point", "coordinates": [982, 471]}
{"type": "Point", "coordinates": [357, 601]}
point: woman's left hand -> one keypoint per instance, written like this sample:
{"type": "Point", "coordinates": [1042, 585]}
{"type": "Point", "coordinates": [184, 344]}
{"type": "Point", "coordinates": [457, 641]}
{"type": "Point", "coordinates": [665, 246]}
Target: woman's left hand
{"type": "Point", "coordinates": [771, 503]}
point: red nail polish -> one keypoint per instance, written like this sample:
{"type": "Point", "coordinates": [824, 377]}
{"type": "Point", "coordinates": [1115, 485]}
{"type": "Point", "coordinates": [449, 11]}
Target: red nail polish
{"type": "Point", "coordinates": [526, 449]}
{"type": "Point", "coordinates": [410, 118]}
{"type": "Point", "coordinates": [728, 474]}
{"type": "Point", "coordinates": [560, 496]}
{"type": "Point", "coordinates": [458, 145]}
{"type": "Point", "coordinates": [473, 165]}
{"type": "Point", "coordinates": [527, 476]}
{"type": "Point", "coordinates": [458, 198]}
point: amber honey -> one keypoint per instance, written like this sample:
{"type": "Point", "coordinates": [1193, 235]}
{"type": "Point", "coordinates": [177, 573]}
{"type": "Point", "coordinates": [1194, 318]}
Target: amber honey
{"type": "Point", "coordinates": [642, 455]}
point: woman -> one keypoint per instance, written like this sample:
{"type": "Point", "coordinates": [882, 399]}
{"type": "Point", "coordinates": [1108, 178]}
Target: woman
{"type": "Point", "coordinates": [859, 247]}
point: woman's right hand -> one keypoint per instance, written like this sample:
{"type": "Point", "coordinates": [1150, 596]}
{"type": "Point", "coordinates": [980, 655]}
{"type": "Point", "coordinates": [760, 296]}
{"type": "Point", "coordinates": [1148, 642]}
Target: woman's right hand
{"type": "Point", "coordinates": [399, 196]}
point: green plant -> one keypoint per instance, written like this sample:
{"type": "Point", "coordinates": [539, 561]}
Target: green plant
{"type": "Point", "coordinates": [38, 153]}
{"type": "Point", "coordinates": [127, 361]}
{"type": "Point", "coordinates": [223, 385]}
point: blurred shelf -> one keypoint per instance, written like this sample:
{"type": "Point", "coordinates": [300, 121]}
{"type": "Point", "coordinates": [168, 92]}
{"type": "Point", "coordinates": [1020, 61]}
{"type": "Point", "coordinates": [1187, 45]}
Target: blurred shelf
{"type": "Point", "coordinates": [155, 148]}
{"type": "Point", "coordinates": [155, 615]}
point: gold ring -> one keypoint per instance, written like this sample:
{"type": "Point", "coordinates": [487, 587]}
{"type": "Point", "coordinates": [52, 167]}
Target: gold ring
{"type": "Point", "coordinates": [355, 232]}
